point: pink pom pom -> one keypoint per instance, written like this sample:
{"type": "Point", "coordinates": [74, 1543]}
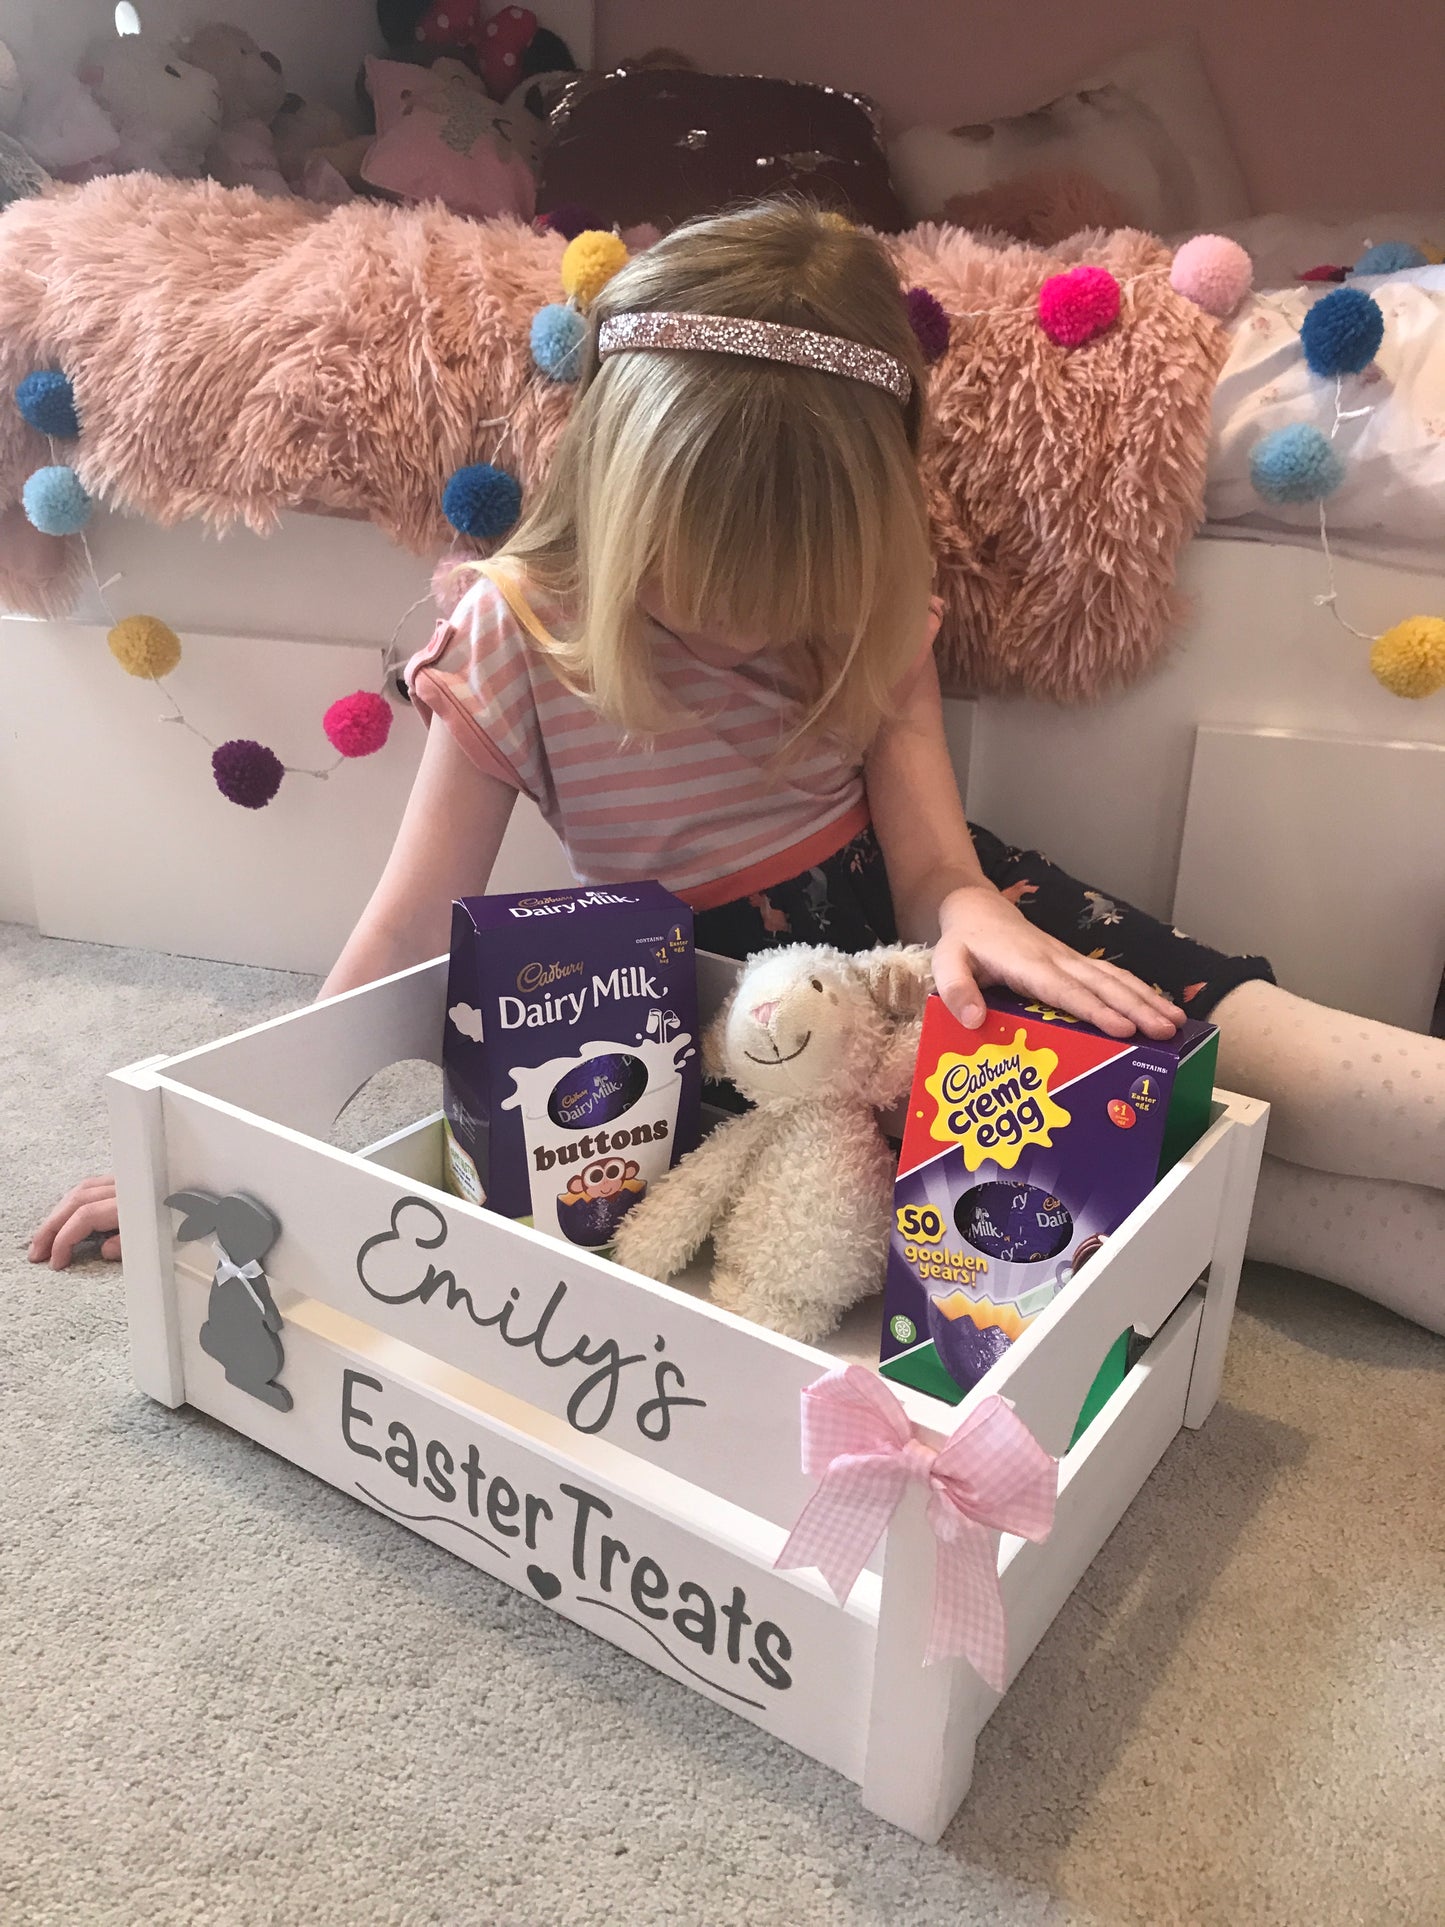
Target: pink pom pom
{"type": "Point", "coordinates": [358, 725]}
{"type": "Point", "coordinates": [1213, 272]}
{"type": "Point", "coordinates": [1077, 305]}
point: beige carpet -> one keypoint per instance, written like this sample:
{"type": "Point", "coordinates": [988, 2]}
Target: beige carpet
{"type": "Point", "coordinates": [230, 1695]}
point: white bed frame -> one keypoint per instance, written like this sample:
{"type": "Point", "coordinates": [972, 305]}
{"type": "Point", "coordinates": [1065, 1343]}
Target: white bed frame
{"type": "Point", "coordinates": [710, 1503]}
{"type": "Point", "coordinates": [1323, 795]}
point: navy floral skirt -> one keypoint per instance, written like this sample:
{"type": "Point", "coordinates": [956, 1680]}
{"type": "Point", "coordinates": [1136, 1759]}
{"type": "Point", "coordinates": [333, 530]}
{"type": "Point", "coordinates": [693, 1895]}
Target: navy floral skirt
{"type": "Point", "coordinates": [845, 901]}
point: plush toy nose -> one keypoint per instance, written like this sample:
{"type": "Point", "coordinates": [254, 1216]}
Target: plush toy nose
{"type": "Point", "coordinates": [765, 1013]}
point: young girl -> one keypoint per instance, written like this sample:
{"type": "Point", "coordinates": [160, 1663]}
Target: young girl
{"type": "Point", "coordinates": [706, 654]}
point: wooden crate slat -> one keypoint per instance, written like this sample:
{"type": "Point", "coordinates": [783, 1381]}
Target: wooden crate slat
{"type": "Point", "coordinates": [926, 1719]}
{"type": "Point", "coordinates": [742, 1441]}
{"type": "Point", "coordinates": [806, 1680]}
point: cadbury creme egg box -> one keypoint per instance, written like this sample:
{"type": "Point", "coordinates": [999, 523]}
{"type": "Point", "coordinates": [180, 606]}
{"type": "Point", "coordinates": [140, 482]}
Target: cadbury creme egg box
{"type": "Point", "coordinates": [1028, 1142]}
{"type": "Point", "coordinates": [570, 1068]}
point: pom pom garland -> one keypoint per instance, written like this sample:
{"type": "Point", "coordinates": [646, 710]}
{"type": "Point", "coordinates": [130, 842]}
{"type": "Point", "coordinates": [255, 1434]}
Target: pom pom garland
{"type": "Point", "coordinates": [1342, 333]}
{"type": "Point", "coordinates": [929, 322]}
{"type": "Point", "coordinates": [1213, 272]}
{"type": "Point", "coordinates": [1390, 257]}
{"type": "Point", "coordinates": [1295, 464]}
{"type": "Point", "coordinates": [589, 263]}
{"type": "Point", "coordinates": [1410, 658]}
{"type": "Point", "coordinates": [247, 773]}
{"type": "Point", "coordinates": [558, 332]}
{"type": "Point", "coordinates": [358, 725]}
{"type": "Point", "coordinates": [1077, 305]}
{"type": "Point", "coordinates": [145, 646]}
{"type": "Point", "coordinates": [55, 502]}
{"type": "Point", "coordinates": [47, 402]}
{"type": "Point", "coordinates": [482, 501]}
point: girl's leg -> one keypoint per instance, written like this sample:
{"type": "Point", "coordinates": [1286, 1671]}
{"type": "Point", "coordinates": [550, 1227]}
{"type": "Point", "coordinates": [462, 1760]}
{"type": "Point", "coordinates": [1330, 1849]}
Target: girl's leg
{"type": "Point", "coordinates": [1347, 1095]}
{"type": "Point", "coordinates": [1098, 925]}
{"type": "Point", "coordinates": [1385, 1241]}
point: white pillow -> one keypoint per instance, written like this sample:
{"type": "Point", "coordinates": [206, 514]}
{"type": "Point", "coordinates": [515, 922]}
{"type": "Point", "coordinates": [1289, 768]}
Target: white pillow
{"type": "Point", "coordinates": [1147, 128]}
{"type": "Point", "coordinates": [1285, 246]}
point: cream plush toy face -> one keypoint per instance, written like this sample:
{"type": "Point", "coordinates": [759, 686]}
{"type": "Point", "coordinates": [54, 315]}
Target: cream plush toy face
{"type": "Point", "coordinates": [795, 1194]}
{"type": "Point", "coordinates": [796, 1027]}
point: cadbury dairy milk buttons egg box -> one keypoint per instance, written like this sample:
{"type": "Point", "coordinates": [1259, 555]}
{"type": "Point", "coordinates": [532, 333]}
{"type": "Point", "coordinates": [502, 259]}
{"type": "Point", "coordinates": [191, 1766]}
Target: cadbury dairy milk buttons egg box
{"type": "Point", "coordinates": [571, 1076]}
{"type": "Point", "coordinates": [1027, 1143]}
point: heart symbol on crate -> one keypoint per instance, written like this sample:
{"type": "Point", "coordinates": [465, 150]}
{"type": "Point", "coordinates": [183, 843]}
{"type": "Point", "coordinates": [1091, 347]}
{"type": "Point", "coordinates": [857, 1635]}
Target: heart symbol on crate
{"type": "Point", "coordinates": [546, 1585]}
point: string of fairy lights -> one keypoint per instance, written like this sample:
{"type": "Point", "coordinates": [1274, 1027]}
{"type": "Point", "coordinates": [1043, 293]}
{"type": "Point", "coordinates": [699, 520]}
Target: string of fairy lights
{"type": "Point", "coordinates": [1339, 337]}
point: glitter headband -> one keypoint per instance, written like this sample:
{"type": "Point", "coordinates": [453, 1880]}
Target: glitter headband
{"type": "Point", "coordinates": [765, 340]}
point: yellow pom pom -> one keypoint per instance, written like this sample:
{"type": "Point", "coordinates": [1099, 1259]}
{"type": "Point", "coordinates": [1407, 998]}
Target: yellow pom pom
{"type": "Point", "coordinates": [589, 263]}
{"type": "Point", "coordinates": [832, 218]}
{"type": "Point", "coordinates": [1410, 658]}
{"type": "Point", "coordinates": [145, 646]}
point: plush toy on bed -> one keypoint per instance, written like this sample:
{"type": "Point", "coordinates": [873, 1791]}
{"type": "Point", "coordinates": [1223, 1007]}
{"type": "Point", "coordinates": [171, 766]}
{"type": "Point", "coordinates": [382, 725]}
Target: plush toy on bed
{"type": "Point", "coordinates": [796, 1193]}
{"type": "Point", "coordinates": [134, 104]}
{"type": "Point", "coordinates": [165, 112]}
{"type": "Point", "coordinates": [270, 139]}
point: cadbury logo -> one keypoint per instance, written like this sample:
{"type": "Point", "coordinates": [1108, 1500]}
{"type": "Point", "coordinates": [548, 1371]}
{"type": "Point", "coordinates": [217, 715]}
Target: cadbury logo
{"type": "Point", "coordinates": [537, 976]}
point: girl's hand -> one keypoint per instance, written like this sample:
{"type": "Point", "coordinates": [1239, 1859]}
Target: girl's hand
{"type": "Point", "coordinates": [89, 1211]}
{"type": "Point", "coordinates": [987, 940]}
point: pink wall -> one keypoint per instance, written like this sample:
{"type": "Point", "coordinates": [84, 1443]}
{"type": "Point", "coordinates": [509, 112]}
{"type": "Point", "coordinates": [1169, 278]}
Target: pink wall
{"type": "Point", "coordinates": [1333, 104]}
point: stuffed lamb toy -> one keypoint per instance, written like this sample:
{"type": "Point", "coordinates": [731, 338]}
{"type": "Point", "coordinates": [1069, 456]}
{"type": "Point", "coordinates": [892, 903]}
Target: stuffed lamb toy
{"type": "Point", "coordinates": [796, 1194]}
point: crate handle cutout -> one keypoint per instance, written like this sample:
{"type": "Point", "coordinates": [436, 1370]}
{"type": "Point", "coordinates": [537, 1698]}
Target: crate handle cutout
{"type": "Point", "coordinates": [991, 1476]}
{"type": "Point", "coordinates": [403, 1092]}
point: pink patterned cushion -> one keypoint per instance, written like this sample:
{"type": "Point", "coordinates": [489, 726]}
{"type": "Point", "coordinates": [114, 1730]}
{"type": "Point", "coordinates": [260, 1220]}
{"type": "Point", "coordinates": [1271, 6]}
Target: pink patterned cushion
{"type": "Point", "coordinates": [440, 138]}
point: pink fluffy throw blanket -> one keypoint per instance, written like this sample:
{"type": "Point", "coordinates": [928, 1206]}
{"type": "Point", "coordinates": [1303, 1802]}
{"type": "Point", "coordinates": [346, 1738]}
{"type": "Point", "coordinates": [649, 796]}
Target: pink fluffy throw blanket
{"type": "Point", "coordinates": [233, 356]}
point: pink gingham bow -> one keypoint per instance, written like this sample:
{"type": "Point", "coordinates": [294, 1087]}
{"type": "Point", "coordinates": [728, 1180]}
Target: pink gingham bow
{"type": "Point", "coordinates": [992, 1476]}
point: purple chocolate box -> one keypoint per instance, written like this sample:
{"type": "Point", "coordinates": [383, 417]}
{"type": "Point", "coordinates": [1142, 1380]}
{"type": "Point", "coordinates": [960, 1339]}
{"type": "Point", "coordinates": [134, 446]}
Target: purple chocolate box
{"type": "Point", "coordinates": [570, 1068]}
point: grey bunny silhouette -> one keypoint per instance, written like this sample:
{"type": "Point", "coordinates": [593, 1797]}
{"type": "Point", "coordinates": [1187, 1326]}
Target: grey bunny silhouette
{"type": "Point", "coordinates": [242, 1331]}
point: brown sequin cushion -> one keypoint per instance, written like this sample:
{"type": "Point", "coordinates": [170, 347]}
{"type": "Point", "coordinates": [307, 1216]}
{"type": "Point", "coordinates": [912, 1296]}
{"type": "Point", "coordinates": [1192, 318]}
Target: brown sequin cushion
{"type": "Point", "coordinates": [663, 145]}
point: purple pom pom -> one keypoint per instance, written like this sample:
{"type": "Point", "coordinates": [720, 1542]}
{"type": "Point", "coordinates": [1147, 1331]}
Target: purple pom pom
{"type": "Point", "coordinates": [247, 774]}
{"type": "Point", "coordinates": [928, 321]}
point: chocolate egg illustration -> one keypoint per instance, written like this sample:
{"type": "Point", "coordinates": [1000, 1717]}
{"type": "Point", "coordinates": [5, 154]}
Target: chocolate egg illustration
{"type": "Point", "coordinates": [597, 1091]}
{"type": "Point", "coordinates": [1020, 1223]}
{"type": "Point", "coordinates": [1085, 1252]}
{"type": "Point", "coordinates": [598, 1198]}
{"type": "Point", "coordinates": [966, 1349]}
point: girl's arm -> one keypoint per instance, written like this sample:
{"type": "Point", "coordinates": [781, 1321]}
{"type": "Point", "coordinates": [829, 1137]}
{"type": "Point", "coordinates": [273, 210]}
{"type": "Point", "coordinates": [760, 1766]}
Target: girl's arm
{"type": "Point", "coordinates": [455, 819]}
{"type": "Point", "coordinates": [941, 895]}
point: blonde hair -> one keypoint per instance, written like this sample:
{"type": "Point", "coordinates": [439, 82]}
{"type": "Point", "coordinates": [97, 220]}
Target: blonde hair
{"type": "Point", "coordinates": [767, 500]}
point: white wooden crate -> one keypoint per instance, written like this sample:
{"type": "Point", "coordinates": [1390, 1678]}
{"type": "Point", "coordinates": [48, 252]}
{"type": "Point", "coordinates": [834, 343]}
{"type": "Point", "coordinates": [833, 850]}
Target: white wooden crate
{"type": "Point", "coordinates": [528, 1375]}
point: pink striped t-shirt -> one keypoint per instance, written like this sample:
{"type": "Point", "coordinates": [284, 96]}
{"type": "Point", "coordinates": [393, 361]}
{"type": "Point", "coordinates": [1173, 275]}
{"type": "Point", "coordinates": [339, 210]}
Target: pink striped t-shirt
{"type": "Point", "coordinates": [707, 807]}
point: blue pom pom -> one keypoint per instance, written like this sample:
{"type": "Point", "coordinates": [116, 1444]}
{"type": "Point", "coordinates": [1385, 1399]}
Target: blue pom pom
{"type": "Point", "coordinates": [55, 502]}
{"type": "Point", "coordinates": [1295, 464]}
{"type": "Point", "coordinates": [1390, 257]}
{"type": "Point", "coordinates": [47, 401]}
{"type": "Point", "coordinates": [1342, 333]}
{"type": "Point", "coordinates": [557, 336]}
{"type": "Point", "coordinates": [482, 501]}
